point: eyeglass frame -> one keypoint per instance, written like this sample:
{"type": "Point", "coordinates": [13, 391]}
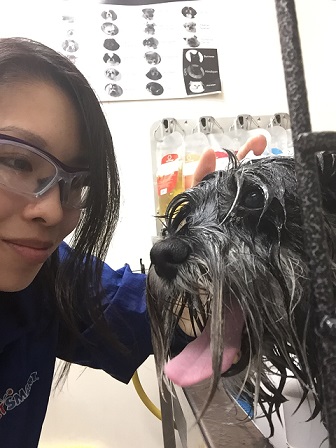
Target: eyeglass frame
{"type": "Point", "coordinates": [63, 172]}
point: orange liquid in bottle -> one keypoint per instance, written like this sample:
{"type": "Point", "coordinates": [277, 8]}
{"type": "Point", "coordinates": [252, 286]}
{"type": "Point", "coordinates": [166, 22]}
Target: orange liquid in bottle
{"type": "Point", "coordinates": [165, 198]}
{"type": "Point", "coordinates": [169, 170]}
{"type": "Point", "coordinates": [190, 164]}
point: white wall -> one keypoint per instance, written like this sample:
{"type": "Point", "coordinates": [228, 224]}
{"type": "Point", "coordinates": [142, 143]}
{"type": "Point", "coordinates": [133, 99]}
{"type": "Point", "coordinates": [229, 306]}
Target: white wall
{"type": "Point", "coordinates": [252, 80]}
{"type": "Point", "coordinates": [95, 408]}
{"type": "Point", "coordinates": [95, 411]}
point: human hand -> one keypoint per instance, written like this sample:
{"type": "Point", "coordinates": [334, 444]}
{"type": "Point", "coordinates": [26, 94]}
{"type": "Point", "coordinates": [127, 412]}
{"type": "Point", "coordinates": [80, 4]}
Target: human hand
{"type": "Point", "coordinates": [207, 163]}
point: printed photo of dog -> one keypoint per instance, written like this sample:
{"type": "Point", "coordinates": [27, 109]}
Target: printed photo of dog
{"type": "Point", "coordinates": [148, 13]}
{"type": "Point", "coordinates": [114, 90]}
{"type": "Point", "coordinates": [109, 15]}
{"type": "Point", "coordinates": [111, 59]}
{"type": "Point", "coordinates": [150, 28]}
{"type": "Point", "coordinates": [189, 12]}
{"type": "Point", "coordinates": [154, 74]}
{"type": "Point", "coordinates": [196, 86]}
{"type": "Point", "coordinates": [194, 56]}
{"type": "Point", "coordinates": [154, 88]}
{"type": "Point", "coordinates": [152, 57]}
{"type": "Point", "coordinates": [110, 28]}
{"type": "Point", "coordinates": [111, 44]}
{"type": "Point", "coordinates": [70, 45]}
{"type": "Point", "coordinates": [192, 41]}
{"type": "Point", "coordinates": [195, 71]}
{"type": "Point", "coordinates": [113, 74]}
{"type": "Point", "coordinates": [151, 42]}
{"type": "Point", "coordinates": [231, 271]}
{"type": "Point", "coordinates": [190, 26]}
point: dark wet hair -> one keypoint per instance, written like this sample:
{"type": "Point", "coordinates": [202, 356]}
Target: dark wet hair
{"type": "Point", "coordinates": [74, 282]}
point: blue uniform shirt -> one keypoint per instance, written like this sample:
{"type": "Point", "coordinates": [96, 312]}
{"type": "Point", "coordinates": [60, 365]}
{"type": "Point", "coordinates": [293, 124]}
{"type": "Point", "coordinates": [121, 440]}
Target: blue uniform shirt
{"type": "Point", "coordinates": [31, 338]}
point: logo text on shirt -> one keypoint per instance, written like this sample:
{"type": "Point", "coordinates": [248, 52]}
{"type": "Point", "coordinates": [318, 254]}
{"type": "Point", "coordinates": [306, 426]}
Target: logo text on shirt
{"type": "Point", "coordinates": [13, 399]}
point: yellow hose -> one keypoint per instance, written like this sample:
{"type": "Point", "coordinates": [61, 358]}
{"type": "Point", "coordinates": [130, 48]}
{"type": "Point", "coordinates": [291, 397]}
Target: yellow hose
{"type": "Point", "coordinates": [144, 398]}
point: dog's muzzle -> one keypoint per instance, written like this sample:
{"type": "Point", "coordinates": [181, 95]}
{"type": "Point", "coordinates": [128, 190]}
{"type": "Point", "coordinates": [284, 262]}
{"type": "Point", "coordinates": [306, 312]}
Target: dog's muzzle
{"type": "Point", "coordinates": [167, 255]}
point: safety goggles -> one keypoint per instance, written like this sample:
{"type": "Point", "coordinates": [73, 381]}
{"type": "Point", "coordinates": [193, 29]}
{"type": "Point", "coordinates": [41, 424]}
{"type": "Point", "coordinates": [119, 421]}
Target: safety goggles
{"type": "Point", "coordinates": [30, 171]}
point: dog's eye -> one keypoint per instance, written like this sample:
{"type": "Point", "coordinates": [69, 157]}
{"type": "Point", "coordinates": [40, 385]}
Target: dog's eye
{"type": "Point", "coordinates": [253, 199]}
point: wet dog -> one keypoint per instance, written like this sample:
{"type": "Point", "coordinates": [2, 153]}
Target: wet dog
{"type": "Point", "coordinates": [231, 259]}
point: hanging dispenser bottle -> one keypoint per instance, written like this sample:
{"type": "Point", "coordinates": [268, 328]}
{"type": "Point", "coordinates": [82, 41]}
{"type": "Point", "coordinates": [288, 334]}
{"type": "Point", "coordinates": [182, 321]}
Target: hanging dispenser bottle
{"type": "Point", "coordinates": [195, 145]}
{"type": "Point", "coordinates": [280, 134]}
{"type": "Point", "coordinates": [169, 169]}
{"type": "Point", "coordinates": [217, 140]}
{"type": "Point", "coordinates": [219, 143]}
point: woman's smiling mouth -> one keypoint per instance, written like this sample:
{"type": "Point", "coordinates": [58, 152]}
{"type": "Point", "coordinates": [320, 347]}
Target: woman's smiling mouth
{"type": "Point", "coordinates": [33, 251]}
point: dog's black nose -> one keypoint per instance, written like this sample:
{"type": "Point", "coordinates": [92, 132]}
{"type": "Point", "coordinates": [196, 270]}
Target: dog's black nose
{"type": "Point", "coordinates": [166, 255]}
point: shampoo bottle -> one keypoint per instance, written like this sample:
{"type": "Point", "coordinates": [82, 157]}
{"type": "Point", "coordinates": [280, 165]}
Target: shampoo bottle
{"type": "Point", "coordinates": [169, 169]}
{"type": "Point", "coordinates": [195, 145]}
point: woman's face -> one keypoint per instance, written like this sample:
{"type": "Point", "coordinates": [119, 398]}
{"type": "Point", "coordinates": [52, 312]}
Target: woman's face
{"type": "Point", "coordinates": [31, 229]}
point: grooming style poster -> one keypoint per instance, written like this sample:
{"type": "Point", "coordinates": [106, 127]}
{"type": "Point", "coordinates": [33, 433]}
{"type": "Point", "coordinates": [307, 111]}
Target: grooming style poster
{"type": "Point", "coordinates": [141, 51]}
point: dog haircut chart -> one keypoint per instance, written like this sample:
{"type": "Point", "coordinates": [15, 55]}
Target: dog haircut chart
{"type": "Point", "coordinates": [130, 51]}
{"type": "Point", "coordinates": [133, 52]}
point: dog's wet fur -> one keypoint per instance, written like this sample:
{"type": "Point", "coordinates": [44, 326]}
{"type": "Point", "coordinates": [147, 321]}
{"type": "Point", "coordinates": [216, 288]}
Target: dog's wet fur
{"type": "Point", "coordinates": [237, 238]}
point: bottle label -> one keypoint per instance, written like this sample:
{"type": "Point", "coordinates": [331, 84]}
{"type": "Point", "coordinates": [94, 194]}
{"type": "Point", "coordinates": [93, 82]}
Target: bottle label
{"type": "Point", "coordinates": [169, 158]}
{"type": "Point", "coordinates": [166, 184]}
{"type": "Point", "coordinates": [167, 174]}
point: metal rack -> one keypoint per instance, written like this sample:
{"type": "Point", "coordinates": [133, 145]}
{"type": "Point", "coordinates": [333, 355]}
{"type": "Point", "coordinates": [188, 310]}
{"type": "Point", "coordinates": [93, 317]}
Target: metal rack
{"type": "Point", "coordinates": [306, 145]}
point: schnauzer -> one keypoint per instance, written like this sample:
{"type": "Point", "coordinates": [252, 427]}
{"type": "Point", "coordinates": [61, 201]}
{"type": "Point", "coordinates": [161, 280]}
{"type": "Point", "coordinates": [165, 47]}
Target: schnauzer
{"type": "Point", "coordinates": [232, 259]}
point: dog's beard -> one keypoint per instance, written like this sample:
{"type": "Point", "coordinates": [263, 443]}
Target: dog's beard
{"type": "Point", "coordinates": [240, 266]}
{"type": "Point", "coordinates": [253, 318]}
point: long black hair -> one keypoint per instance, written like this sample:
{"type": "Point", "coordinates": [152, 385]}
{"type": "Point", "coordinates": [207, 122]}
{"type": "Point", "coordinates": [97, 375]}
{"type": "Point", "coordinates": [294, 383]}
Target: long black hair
{"type": "Point", "coordinates": [74, 282]}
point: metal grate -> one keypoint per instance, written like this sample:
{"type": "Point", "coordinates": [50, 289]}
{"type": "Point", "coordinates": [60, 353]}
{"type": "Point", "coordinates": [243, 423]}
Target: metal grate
{"type": "Point", "coordinates": [306, 145]}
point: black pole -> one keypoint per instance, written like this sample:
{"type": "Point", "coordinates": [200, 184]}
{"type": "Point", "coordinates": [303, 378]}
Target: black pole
{"type": "Point", "coordinates": [306, 144]}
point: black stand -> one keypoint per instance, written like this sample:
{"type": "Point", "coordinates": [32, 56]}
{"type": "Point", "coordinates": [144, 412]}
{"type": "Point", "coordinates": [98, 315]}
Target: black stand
{"type": "Point", "coordinates": [306, 144]}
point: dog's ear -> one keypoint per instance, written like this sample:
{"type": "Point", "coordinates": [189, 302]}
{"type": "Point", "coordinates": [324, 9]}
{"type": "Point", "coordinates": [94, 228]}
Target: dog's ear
{"type": "Point", "coordinates": [327, 179]}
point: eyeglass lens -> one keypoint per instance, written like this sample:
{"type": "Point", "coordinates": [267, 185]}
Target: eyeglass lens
{"type": "Point", "coordinates": [25, 171]}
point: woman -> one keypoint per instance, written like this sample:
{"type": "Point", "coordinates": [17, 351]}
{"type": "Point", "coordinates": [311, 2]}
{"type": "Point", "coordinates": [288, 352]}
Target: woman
{"type": "Point", "coordinates": [56, 159]}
